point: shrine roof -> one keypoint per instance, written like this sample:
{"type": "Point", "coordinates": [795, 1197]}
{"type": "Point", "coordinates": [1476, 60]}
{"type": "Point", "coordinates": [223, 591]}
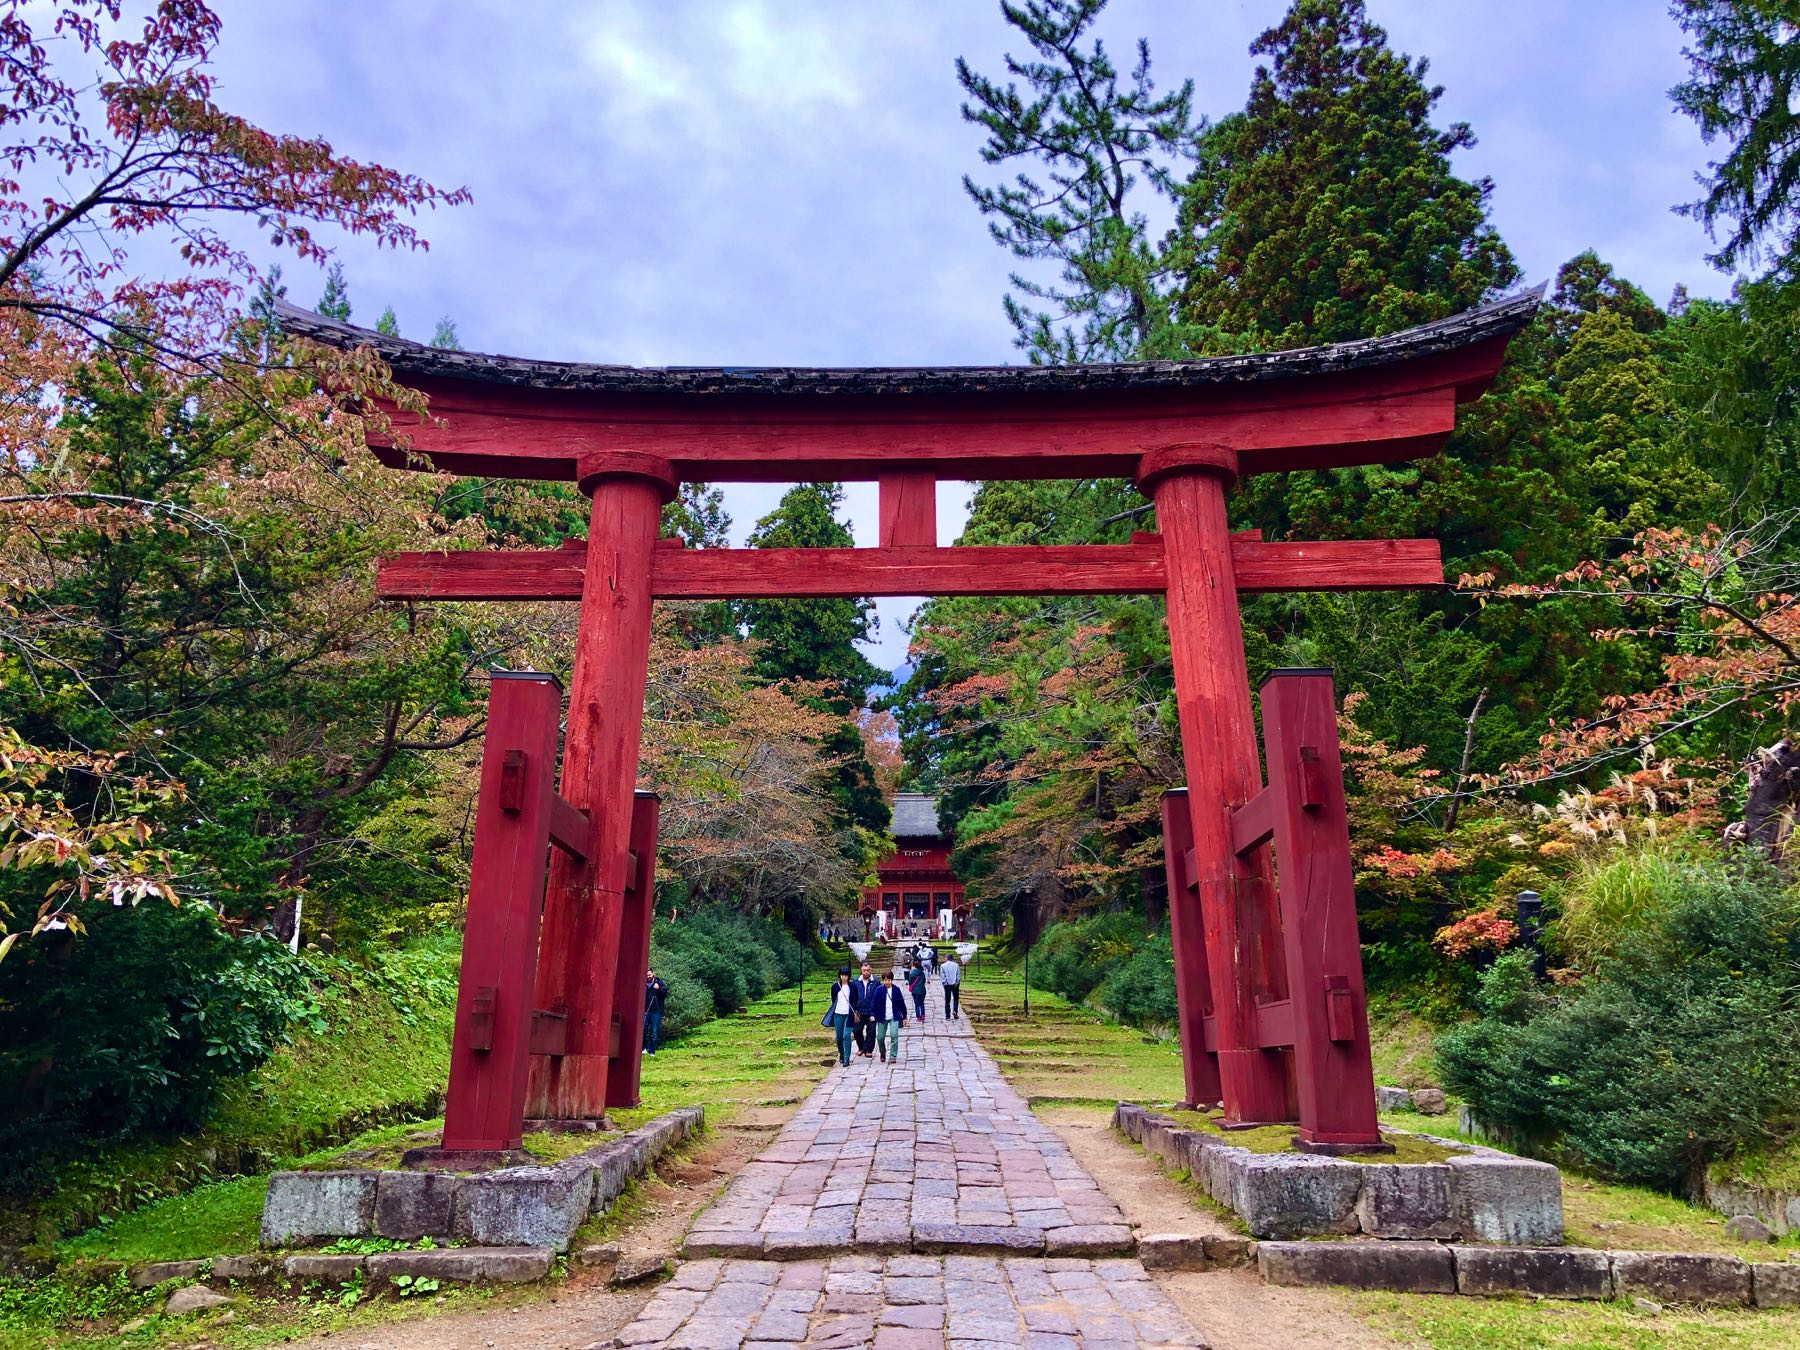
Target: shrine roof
{"type": "Point", "coordinates": [1499, 318]}
{"type": "Point", "coordinates": [915, 816]}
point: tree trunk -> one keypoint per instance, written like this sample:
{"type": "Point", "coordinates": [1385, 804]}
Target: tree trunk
{"type": "Point", "coordinates": [1774, 787]}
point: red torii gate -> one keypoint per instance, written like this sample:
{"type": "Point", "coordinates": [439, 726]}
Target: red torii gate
{"type": "Point", "coordinates": [1273, 1020]}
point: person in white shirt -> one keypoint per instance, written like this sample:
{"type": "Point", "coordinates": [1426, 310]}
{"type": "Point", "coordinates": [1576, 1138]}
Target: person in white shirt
{"type": "Point", "coordinates": [951, 974]}
{"type": "Point", "coordinates": [843, 1014]}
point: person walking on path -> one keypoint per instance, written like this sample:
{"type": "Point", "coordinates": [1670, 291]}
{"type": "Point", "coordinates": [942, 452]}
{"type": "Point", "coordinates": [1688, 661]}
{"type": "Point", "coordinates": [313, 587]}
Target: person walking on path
{"type": "Point", "coordinates": [863, 991]}
{"type": "Point", "coordinates": [951, 974]}
{"type": "Point", "coordinates": [656, 996]}
{"type": "Point", "coordinates": [842, 1014]}
{"type": "Point", "coordinates": [889, 1008]}
{"type": "Point", "coordinates": [915, 984]}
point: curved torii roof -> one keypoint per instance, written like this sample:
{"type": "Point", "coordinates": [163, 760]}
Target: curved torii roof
{"type": "Point", "coordinates": [1369, 401]}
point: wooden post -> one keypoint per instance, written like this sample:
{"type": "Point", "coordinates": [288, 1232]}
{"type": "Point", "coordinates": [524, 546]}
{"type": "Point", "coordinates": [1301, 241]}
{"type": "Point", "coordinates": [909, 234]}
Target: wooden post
{"type": "Point", "coordinates": [908, 505]}
{"type": "Point", "coordinates": [634, 955]}
{"type": "Point", "coordinates": [485, 1105]}
{"type": "Point", "coordinates": [1218, 741]}
{"type": "Point", "coordinates": [1334, 1076]}
{"type": "Point", "coordinates": [583, 910]}
{"type": "Point", "coordinates": [1187, 934]}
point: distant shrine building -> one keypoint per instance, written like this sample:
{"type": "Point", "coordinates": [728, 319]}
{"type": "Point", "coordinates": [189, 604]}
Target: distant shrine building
{"type": "Point", "coordinates": [918, 894]}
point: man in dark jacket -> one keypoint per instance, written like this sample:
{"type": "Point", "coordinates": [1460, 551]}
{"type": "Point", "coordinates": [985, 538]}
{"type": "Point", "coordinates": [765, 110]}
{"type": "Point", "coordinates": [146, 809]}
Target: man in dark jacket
{"type": "Point", "coordinates": [656, 994]}
{"type": "Point", "coordinates": [863, 991]}
{"type": "Point", "coordinates": [889, 1008]}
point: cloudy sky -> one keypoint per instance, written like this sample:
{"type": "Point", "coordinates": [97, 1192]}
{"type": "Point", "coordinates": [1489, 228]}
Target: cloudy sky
{"type": "Point", "coordinates": [695, 182]}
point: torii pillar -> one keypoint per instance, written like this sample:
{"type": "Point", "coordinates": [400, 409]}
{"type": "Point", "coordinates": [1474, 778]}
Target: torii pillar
{"type": "Point", "coordinates": [1237, 908]}
{"type": "Point", "coordinates": [584, 903]}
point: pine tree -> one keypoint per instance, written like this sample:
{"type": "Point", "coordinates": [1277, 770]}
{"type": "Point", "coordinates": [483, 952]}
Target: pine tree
{"type": "Point", "coordinates": [1327, 209]}
{"type": "Point", "coordinates": [389, 323]}
{"type": "Point", "coordinates": [444, 336]}
{"type": "Point", "coordinates": [1093, 142]}
{"type": "Point", "coordinates": [335, 303]}
{"type": "Point", "coordinates": [1745, 87]}
{"type": "Point", "coordinates": [815, 640]}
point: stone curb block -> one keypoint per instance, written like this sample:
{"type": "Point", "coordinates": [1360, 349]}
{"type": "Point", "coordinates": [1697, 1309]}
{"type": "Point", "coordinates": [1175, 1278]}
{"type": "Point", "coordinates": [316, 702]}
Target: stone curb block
{"type": "Point", "coordinates": [970, 1239]}
{"type": "Point", "coordinates": [1478, 1194]}
{"type": "Point", "coordinates": [314, 1266]}
{"type": "Point", "coordinates": [520, 1206]}
{"type": "Point", "coordinates": [726, 1245]}
{"type": "Point", "coordinates": [1546, 1272]}
{"type": "Point", "coordinates": [524, 1206]}
{"type": "Point", "coordinates": [1228, 1253]}
{"type": "Point", "coordinates": [499, 1265]}
{"type": "Point", "coordinates": [307, 1206]}
{"type": "Point", "coordinates": [1682, 1277]}
{"type": "Point", "coordinates": [1172, 1251]}
{"type": "Point", "coordinates": [155, 1272]}
{"type": "Point", "coordinates": [1775, 1286]}
{"type": "Point", "coordinates": [1404, 1267]}
{"type": "Point", "coordinates": [410, 1205]}
{"type": "Point", "coordinates": [238, 1268]}
{"type": "Point", "coordinates": [1088, 1240]}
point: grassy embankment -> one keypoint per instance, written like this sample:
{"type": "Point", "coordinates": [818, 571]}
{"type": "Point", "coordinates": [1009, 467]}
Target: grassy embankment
{"type": "Point", "coordinates": [770, 1055]}
{"type": "Point", "coordinates": [1066, 1055]}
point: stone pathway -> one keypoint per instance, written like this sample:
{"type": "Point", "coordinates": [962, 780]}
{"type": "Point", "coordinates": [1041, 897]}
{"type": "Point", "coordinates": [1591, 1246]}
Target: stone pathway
{"type": "Point", "coordinates": [935, 1154]}
{"type": "Point", "coordinates": [911, 1303]}
{"type": "Point", "coordinates": [910, 1206]}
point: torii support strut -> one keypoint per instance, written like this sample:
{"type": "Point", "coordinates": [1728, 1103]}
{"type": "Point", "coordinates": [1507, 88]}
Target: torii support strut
{"type": "Point", "coordinates": [1183, 430]}
{"type": "Point", "coordinates": [502, 1033]}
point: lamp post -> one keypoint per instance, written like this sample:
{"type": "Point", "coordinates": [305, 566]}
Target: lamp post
{"type": "Point", "coordinates": [1029, 905]}
{"type": "Point", "coordinates": [1531, 928]}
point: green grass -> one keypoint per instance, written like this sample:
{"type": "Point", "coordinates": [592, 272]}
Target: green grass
{"type": "Point", "coordinates": [381, 1060]}
{"type": "Point", "coordinates": [1521, 1324]}
{"type": "Point", "coordinates": [1280, 1139]}
{"type": "Point", "coordinates": [1061, 1052]}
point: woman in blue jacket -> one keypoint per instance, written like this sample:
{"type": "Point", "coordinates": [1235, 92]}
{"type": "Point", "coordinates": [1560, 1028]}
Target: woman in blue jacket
{"type": "Point", "coordinates": [915, 984]}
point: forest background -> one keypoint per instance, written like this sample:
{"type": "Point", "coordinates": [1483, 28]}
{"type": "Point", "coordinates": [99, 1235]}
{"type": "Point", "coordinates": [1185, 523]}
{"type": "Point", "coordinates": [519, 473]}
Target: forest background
{"type": "Point", "coordinates": [213, 737]}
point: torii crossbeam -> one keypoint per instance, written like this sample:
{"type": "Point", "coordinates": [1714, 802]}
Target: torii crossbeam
{"type": "Point", "coordinates": [1183, 431]}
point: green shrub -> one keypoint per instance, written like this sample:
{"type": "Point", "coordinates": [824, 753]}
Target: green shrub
{"type": "Point", "coordinates": [689, 1002]}
{"type": "Point", "coordinates": [1141, 991]}
{"type": "Point", "coordinates": [1682, 1045]}
{"type": "Point", "coordinates": [135, 1024]}
{"type": "Point", "coordinates": [1074, 956]}
{"type": "Point", "coordinates": [733, 958]}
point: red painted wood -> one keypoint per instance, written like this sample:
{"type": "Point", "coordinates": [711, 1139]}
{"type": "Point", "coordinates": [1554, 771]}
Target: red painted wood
{"type": "Point", "coordinates": [1381, 414]}
{"type": "Point", "coordinates": [569, 829]}
{"type": "Point", "coordinates": [485, 1105]}
{"type": "Point", "coordinates": [908, 510]}
{"type": "Point", "coordinates": [582, 912]}
{"type": "Point", "coordinates": [1193, 985]}
{"type": "Point", "coordinates": [1084, 569]}
{"type": "Point", "coordinates": [1253, 823]}
{"type": "Point", "coordinates": [1335, 1078]}
{"type": "Point", "coordinates": [625, 1072]}
{"type": "Point", "coordinates": [1218, 737]}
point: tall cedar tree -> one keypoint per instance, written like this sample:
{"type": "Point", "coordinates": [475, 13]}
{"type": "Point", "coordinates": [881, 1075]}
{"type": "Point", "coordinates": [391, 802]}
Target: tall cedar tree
{"type": "Point", "coordinates": [1091, 141]}
{"type": "Point", "coordinates": [1327, 209]}
{"type": "Point", "coordinates": [1745, 87]}
{"type": "Point", "coordinates": [816, 640]}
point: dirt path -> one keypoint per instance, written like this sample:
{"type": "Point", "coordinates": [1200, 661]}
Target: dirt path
{"type": "Point", "coordinates": [584, 1308]}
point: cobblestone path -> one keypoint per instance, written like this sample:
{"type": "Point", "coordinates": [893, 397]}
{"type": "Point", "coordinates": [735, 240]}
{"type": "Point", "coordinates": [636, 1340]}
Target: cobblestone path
{"type": "Point", "coordinates": [912, 1303]}
{"type": "Point", "coordinates": [912, 1205]}
{"type": "Point", "coordinates": [935, 1153]}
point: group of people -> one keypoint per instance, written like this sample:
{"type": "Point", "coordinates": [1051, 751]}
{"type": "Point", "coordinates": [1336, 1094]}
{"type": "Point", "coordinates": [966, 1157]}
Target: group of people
{"type": "Point", "coordinates": [867, 1014]}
